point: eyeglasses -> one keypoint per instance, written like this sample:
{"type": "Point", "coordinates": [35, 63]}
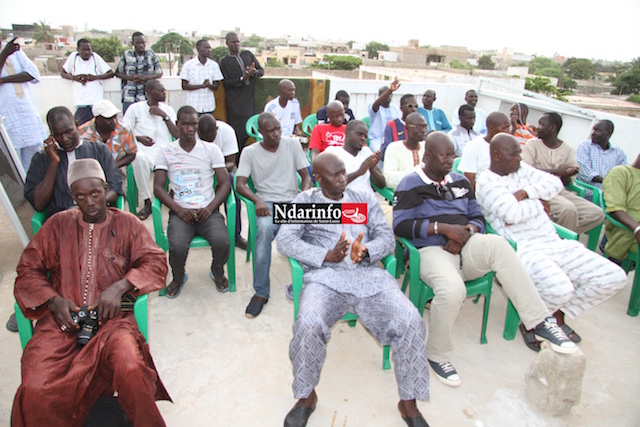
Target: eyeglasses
{"type": "Point", "coordinates": [444, 191]}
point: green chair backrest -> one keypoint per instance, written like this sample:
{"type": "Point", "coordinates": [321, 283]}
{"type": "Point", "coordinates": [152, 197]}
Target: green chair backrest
{"type": "Point", "coordinates": [309, 123]}
{"type": "Point", "coordinates": [251, 127]}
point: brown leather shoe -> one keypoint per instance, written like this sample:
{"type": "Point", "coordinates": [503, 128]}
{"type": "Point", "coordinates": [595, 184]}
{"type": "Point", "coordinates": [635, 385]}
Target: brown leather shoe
{"type": "Point", "coordinates": [241, 243]}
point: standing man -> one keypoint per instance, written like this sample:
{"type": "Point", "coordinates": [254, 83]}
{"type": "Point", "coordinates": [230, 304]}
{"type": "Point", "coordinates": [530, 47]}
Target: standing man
{"type": "Point", "coordinates": [287, 108]}
{"type": "Point", "coordinates": [435, 117]}
{"type": "Point", "coordinates": [136, 67]}
{"type": "Point", "coordinates": [395, 131]}
{"type": "Point", "coordinates": [464, 133]}
{"type": "Point", "coordinates": [471, 98]}
{"type": "Point", "coordinates": [85, 69]}
{"type": "Point", "coordinates": [381, 112]}
{"type": "Point", "coordinates": [21, 117]}
{"type": "Point", "coordinates": [330, 134]}
{"type": "Point", "coordinates": [240, 69]}
{"type": "Point", "coordinates": [154, 124]}
{"type": "Point", "coordinates": [190, 165]}
{"type": "Point", "coordinates": [200, 78]}
{"type": "Point", "coordinates": [342, 96]}
{"type": "Point", "coordinates": [272, 165]}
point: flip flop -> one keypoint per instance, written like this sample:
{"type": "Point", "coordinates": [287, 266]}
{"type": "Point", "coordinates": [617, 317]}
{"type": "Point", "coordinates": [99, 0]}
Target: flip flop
{"type": "Point", "coordinates": [570, 333]}
{"type": "Point", "coordinates": [186, 277]}
{"type": "Point", "coordinates": [144, 213]}
{"type": "Point", "coordinates": [530, 339]}
{"type": "Point", "coordinates": [225, 282]}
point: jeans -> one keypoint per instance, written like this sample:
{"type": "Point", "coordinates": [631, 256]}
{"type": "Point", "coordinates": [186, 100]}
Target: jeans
{"type": "Point", "coordinates": [83, 114]}
{"type": "Point", "coordinates": [180, 234]}
{"type": "Point", "coordinates": [266, 231]}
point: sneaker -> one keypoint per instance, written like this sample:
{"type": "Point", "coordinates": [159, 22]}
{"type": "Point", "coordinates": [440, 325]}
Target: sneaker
{"type": "Point", "coordinates": [446, 373]}
{"type": "Point", "coordinates": [255, 306]}
{"type": "Point", "coordinates": [550, 332]}
{"type": "Point", "coordinates": [12, 324]}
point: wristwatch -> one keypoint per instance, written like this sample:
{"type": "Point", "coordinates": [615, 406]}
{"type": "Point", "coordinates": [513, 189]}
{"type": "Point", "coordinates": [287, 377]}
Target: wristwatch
{"type": "Point", "coordinates": [165, 118]}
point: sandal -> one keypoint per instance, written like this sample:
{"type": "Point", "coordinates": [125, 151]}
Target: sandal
{"type": "Point", "coordinates": [222, 284]}
{"type": "Point", "coordinates": [144, 213]}
{"type": "Point", "coordinates": [529, 338]}
{"type": "Point", "coordinates": [570, 333]}
{"type": "Point", "coordinates": [177, 294]}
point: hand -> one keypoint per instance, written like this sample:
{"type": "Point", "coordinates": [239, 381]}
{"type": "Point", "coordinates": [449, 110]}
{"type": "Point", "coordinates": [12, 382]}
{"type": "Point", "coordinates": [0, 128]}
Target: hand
{"type": "Point", "coordinates": [157, 111]}
{"type": "Point", "coordinates": [340, 250]}
{"type": "Point", "coordinates": [546, 206]}
{"type": "Point", "coordinates": [572, 170]}
{"type": "Point", "coordinates": [358, 249]}
{"type": "Point", "coordinates": [109, 301]}
{"type": "Point", "coordinates": [520, 195]}
{"type": "Point", "coordinates": [371, 161]}
{"type": "Point", "coordinates": [251, 69]}
{"type": "Point", "coordinates": [11, 47]}
{"type": "Point", "coordinates": [457, 233]}
{"type": "Point", "coordinates": [206, 83]}
{"type": "Point", "coordinates": [262, 209]}
{"type": "Point", "coordinates": [61, 309]}
{"type": "Point", "coordinates": [138, 78]}
{"type": "Point", "coordinates": [51, 150]}
{"type": "Point", "coordinates": [452, 247]}
{"type": "Point", "coordinates": [395, 85]}
{"type": "Point", "coordinates": [146, 140]}
{"type": "Point", "coordinates": [203, 214]}
{"type": "Point", "coordinates": [187, 215]}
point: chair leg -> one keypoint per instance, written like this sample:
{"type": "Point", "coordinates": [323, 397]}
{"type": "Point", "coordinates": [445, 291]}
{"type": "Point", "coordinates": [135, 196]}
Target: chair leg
{"type": "Point", "coordinates": [511, 323]}
{"type": "Point", "coordinates": [485, 317]}
{"type": "Point", "coordinates": [386, 363]}
{"type": "Point", "coordinates": [634, 301]}
{"type": "Point", "coordinates": [594, 238]}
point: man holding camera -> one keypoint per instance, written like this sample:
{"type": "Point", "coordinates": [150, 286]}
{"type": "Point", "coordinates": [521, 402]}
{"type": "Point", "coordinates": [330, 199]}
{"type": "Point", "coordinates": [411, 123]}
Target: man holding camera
{"type": "Point", "coordinates": [91, 256]}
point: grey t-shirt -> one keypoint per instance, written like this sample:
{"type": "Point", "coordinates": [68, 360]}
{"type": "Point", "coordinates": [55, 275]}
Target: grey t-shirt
{"type": "Point", "coordinates": [274, 174]}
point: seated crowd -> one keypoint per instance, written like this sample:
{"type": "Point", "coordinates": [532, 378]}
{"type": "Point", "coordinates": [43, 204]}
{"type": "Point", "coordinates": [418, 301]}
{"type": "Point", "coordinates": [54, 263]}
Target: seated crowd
{"type": "Point", "coordinates": [518, 173]}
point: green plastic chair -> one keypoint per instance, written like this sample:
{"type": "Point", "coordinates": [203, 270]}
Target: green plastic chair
{"type": "Point", "coordinates": [132, 190]}
{"type": "Point", "coordinates": [308, 124]}
{"type": "Point", "coordinates": [632, 260]}
{"type": "Point", "coordinates": [39, 217]}
{"type": "Point", "coordinates": [456, 162]}
{"type": "Point", "coordinates": [389, 263]}
{"type": "Point", "coordinates": [579, 187]}
{"type": "Point", "coordinates": [251, 127]}
{"type": "Point", "coordinates": [386, 192]}
{"type": "Point", "coordinates": [365, 120]}
{"type": "Point", "coordinates": [140, 311]}
{"type": "Point", "coordinates": [420, 292]}
{"type": "Point", "coordinates": [199, 242]}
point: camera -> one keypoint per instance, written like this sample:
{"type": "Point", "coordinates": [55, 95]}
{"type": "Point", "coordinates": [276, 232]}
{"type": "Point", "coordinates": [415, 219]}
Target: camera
{"type": "Point", "coordinates": [88, 322]}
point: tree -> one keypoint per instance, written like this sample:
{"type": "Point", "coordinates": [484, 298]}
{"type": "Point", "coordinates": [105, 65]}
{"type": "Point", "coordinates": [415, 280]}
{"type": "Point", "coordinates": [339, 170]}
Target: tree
{"type": "Point", "coordinates": [456, 64]}
{"type": "Point", "coordinates": [274, 62]}
{"type": "Point", "coordinates": [42, 33]}
{"type": "Point", "coordinates": [339, 62]}
{"type": "Point", "coordinates": [107, 48]}
{"type": "Point", "coordinates": [252, 41]}
{"type": "Point", "coordinates": [628, 82]}
{"type": "Point", "coordinates": [485, 63]}
{"type": "Point", "coordinates": [543, 85]}
{"type": "Point", "coordinates": [374, 47]}
{"type": "Point", "coordinates": [217, 53]}
{"type": "Point", "coordinates": [579, 69]}
{"type": "Point", "coordinates": [540, 63]}
{"type": "Point", "coordinates": [350, 44]}
{"type": "Point", "coordinates": [173, 41]}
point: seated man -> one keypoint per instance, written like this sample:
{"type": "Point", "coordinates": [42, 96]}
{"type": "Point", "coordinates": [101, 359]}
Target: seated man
{"type": "Point", "coordinates": [381, 112]}
{"type": "Point", "coordinates": [435, 117]}
{"type": "Point", "coordinates": [64, 269]}
{"type": "Point", "coordinates": [341, 275]}
{"type": "Point", "coordinates": [622, 197]}
{"type": "Point", "coordinates": [395, 131]}
{"type": "Point", "coordinates": [154, 124]}
{"type": "Point", "coordinates": [106, 128]}
{"type": "Point", "coordinates": [404, 156]}
{"type": "Point", "coordinates": [46, 184]}
{"type": "Point", "coordinates": [552, 155]}
{"type": "Point", "coordinates": [287, 108]}
{"type": "Point", "coordinates": [520, 129]}
{"type": "Point", "coordinates": [190, 166]}
{"type": "Point", "coordinates": [272, 165]}
{"type": "Point", "coordinates": [463, 133]}
{"type": "Point", "coordinates": [597, 156]}
{"type": "Point", "coordinates": [475, 156]}
{"type": "Point", "coordinates": [344, 98]}
{"type": "Point", "coordinates": [471, 99]}
{"type": "Point", "coordinates": [360, 162]}
{"type": "Point", "coordinates": [437, 210]}
{"type": "Point", "coordinates": [569, 277]}
{"type": "Point", "coordinates": [330, 134]}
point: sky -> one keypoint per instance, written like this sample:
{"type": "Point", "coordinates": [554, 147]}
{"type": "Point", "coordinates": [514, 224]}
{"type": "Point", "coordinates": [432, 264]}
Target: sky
{"type": "Point", "coordinates": [595, 30]}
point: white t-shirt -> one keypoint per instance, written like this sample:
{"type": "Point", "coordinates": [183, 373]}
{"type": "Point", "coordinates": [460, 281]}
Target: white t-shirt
{"type": "Point", "coordinates": [476, 156]}
{"type": "Point", "coordinates": [203, 100]}
{"type": "Point", "coordinates": [226, 139]}
{"type": "Point", "coordinates": [289, 116]}
{"type": "Point", "coordinates": [352, 164]}
{"type": "Point", "coordinates": [90, 92]}
{"type": "Point", "coordinates": [190, 173]}
{"type": "Point", "coordinates": [144, 123]}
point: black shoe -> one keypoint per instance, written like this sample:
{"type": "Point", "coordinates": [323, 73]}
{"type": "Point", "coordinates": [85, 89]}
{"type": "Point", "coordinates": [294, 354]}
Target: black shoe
{"type": "Point", "coordinates": [241, 243]}
{"type": "Point", "coordinates": [12, 324]}
{"type": "Point", "coordinates": [418, 421]}
{"type": "Point", "coordinates": [446, 373]}
{"type": "Point", "coordinates": [255, 306]}
{"type": "Point", "coordinates": [550, 332]}
{"type": "Point", "coordinates": [298, 416]}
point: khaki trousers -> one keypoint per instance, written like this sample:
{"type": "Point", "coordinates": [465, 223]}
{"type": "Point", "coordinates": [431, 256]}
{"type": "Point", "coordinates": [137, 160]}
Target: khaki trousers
{"type": "Point", "coordinates": [575, 213]}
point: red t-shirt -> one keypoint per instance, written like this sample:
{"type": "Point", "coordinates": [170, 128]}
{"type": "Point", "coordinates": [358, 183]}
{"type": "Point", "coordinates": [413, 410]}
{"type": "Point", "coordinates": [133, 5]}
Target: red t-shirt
{"type": "Point", "coordinates": [326, 135]}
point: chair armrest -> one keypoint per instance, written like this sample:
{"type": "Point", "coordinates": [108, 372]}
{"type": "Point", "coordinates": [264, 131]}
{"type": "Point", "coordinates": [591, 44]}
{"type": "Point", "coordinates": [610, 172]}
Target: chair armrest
{"type": "Point", "coordinates": [490, 230]}
{"type": "Point", "coordinates": [565, 233]}
{"type": "Point", "coordinates": [572, 186]}
{"type": "Point", "coordinates": [120, 203]}
{"type": "Point", "coordinates": [296, 283]}
{"type": "Point", "coordinates": [389, 263]}
{"type": "Point", "coordinates": [37, 220]}
{"type": "Point", "coordinates": [156, 214]}
{"type": "Point", "coordinates": [385, 192]}
{"type": "Point", "coordinates": [415, 286]}
{"type": "Point", "coordinates": [140, 311]}
{"type": "Point", "coordinates": [25, 327]}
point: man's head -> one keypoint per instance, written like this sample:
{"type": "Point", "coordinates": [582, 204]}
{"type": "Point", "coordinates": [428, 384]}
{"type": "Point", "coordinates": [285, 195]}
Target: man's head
{"type": "Point", "coordinates": [329, 171]}
{"type": "Point", "coordinates": [106, 115]}
{"type": "Point", "coordinates": [467, 116]}
{"type": "Point", "coordinates": [269, 127]}
{"type": "Point", "coordinates": [505, 154]}
{"type": "Point", "coordinates": [602, 131]}
{"type": "Point", "coordinates": [155, 92]}
{"type": "Point", "coordinates": [138, 42]}
{"type": "Point", "coordinates": [233, 43]}
{"type": "Point", "coordinates": [408, 105]}
{"type": "Point", "coordinates": [497, 122]}
{"type": "Point", "coordinates": [519, 111]}
{"type": "Point", "coordinates": [88, 186]}
{"type": "Point", "coordinates": [428, 99]}
{"type": "Point", "coordinates": [471, 98]}
{"type": "Point", "coordinates": [387, 101]}
{"type": "Point", "coordinates": [187, 123]}
{"type": "Point", "coordinates": [355, 136]}
{"type": "Point", "coordinates": [417, 127]}
{"type": "Point", "coordinates": [343, 97]}
{"type": "Point", "coordinates": [62, 126]}
{"type": "Point", "coordinates": [204, 48]}
{"type": "Point", "coordinates": [84, 49]}
{"type": "Point", "coordinates": [439, 152]}
{"type": "Point", "coordinates": [287, 89]}
{"type": "Point", "coordinates": [335, 113]}
{"type": "Point", "coordinates": [549, 125]}
{"type": "Point", "coordinates": [207, 128]}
